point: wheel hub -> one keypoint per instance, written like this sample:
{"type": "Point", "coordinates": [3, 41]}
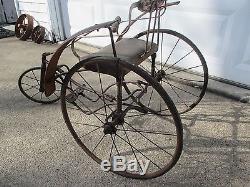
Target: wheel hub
{"type": "Point", "coordinates": [160, 75]}
{"type": "Point", "coordinates": [109, 128]}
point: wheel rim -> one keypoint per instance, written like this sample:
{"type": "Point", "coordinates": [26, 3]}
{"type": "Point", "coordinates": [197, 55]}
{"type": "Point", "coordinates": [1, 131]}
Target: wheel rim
{"type": "Point", "coordinates": [29, 84]}
{"type": "Point", "coordinates": [84, 92]}
{"type": "Point", "coordinates": [180, 68]}
{"type": "Point", "coordinates": [38, 34]}
{"type": "Point", "coordinates": [24, 26]}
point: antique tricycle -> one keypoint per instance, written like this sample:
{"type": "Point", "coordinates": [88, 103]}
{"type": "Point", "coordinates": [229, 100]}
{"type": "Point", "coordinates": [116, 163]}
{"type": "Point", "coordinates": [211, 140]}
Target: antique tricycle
{"type": "Point", "coordinates": [125, 99]}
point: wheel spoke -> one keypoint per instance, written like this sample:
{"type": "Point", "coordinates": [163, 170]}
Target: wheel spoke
{"type": "Point", "coordinates": [85, 124]}
{"type": "Point", "coordinates": [148, 114]}
{"type": "Point", "coordinates": [110, 154]}
{"type": "Point", "coordinates": [148, 132]}
{"type": "Point", "coordinates": [131, 147]}
{"type": "Point", "coordinates": [91, 132]}
{"type": "Point", "coordinates": [87, 109]}
{"type": "Point", "coordinates": [184, 70]}
{"type": "Point", "coordinates": [30, 77]}
{"type": "Point", "coordinates": [184, 79]}
{"type": "Point", "coordinates": [148, 139]}
{"type": "Point", "coordinates": [35, 94]}
{"type": "Point", "coordinates": [30, 87]}
{"type": "Point", "coordinates": [101, 87]}
{"type": "Point", "coordinates": [139, 151]}
{"type": "Point", "coordinates": [177, 93]}
{"type": "Point", "coordinates": [172, 65]}
{"type": "Point", "coordinates": [171, 52]}
{"type": "Point", "coordinates": [77, 106]}
{"type": "Point", "coordinates": [35, 78]}
{"type": "Point", "coordinates": [87, 83]}
{"type": "Point", "coordinates": [99, 142]}
{"type": "Point", "coordinates": [181, 89]}
{"type": "Point", "coordinates": [90, 87]}
{"type": "Point", "coordinates": [161, 50]}
{"type": "Point", "coordinates": [145, 69]}
{"type": "Point", "coordinates": [56, 95]}
{"type": "Point", "coordinates": [113, 145]}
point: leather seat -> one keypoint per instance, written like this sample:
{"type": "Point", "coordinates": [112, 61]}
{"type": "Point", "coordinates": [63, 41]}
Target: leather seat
{"type": "Point", "coordinates": [131, 50]}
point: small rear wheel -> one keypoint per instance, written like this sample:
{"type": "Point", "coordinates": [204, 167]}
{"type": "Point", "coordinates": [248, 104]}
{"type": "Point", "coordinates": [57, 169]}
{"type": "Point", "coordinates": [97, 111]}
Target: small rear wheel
{"type": "Point", "coordinates": [140, 135]}
{"type": "Point", "coordinates": [29, 85]}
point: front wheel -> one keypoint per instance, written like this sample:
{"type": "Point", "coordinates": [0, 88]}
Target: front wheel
{"type": "Point", "coordinates": [135, 133]}
{"type": "Point", "coordinates": [29, 85]}
{"type": "Point", "coordinates": [179, 67]}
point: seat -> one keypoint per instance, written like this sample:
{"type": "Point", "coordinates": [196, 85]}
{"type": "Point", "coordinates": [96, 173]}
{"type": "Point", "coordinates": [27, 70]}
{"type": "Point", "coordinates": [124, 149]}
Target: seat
{"type": "Point", "coordinates": [131, 50]}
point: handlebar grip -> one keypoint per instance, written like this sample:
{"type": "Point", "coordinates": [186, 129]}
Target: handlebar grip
{"type": "Point", "coordinates": [172, 3]}
{"type": "Point", "coordinates": [115, 25]}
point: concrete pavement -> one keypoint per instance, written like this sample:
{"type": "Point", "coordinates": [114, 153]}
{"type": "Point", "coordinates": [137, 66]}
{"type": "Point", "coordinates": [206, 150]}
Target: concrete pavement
{"type": "Point", "coordinates": [36, 148]}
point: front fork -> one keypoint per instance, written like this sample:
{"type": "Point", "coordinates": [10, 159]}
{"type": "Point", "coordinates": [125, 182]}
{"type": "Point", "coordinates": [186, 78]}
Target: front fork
{"type": "Point", "coordinates": [119, 78]}
{"type": "Point", "coordinates": [119, 94]}
{"type": "Point", "coordinates": [43, 70]}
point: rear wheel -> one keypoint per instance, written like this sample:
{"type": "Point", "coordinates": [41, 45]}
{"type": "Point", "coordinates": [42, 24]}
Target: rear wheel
{"type": "Point", "coordinates": [180, 68]}
{"type": "Point", "coordinates": [89, 106]}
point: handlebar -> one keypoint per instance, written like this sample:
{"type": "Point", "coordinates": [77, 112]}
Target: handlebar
{"type": "Point", "coordinates": [144, 6]}
{"type": "Point", "coordinates": [149, 6]}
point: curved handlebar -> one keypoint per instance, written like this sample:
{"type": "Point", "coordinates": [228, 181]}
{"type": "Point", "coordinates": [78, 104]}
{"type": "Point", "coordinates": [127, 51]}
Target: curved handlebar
{"type": "Point", "coordinates": [149, 5]}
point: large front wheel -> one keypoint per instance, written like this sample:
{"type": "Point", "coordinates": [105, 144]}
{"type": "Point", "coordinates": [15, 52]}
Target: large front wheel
{"type": "Point", "coordinates": [143, 136]}
{"type": "Point", "coordinates": [179, 67]}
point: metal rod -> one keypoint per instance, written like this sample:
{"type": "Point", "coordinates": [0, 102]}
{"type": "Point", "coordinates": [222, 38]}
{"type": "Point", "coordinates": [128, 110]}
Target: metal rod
{"type": "Point", "coordinates": [112, 42]}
